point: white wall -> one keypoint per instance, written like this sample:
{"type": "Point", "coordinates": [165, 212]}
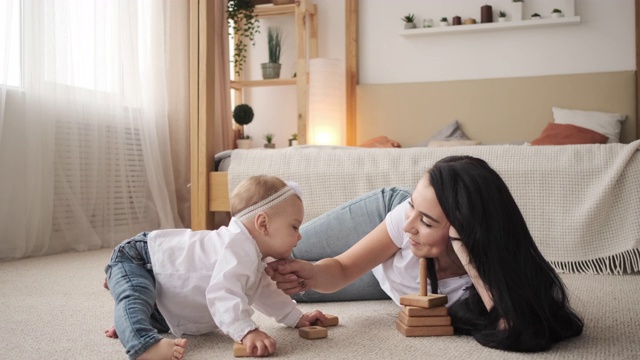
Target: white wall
{"type": "Point", "coordinates": [603, 41]}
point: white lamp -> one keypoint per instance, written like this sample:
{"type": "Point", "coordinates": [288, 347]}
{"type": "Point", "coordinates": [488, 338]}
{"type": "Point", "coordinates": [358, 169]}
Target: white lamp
{"type": "Point", "coordinates": [327, 102]}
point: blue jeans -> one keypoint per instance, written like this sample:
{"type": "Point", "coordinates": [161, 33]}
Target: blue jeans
{"type": "Point", "coordinates": [336, 231]}
{"type": "Point", "coordinates": [133, 287]}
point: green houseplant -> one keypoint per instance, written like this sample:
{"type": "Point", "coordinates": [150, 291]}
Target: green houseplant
{"type": "Point", "coordinates": [409, 21]}
{"type": "Point", "coordinates": [245, 24]}
{"type": "Point", "coordinates": [556, 13]}
{"type": "Point", "coordinates": [293, 140]}
{"type": "Point", "coordinates": [269, 139]}
{"type": "Point", "coordinates": [271, 69]}
{"type": "Point", "coordinates": [243, 115]}
{"type": "Point", "coordinates": [444, 21]}
{"type": "Point", "coordinates": [502, 16]}
{"type": "Point", "coordinates": [536, 16]}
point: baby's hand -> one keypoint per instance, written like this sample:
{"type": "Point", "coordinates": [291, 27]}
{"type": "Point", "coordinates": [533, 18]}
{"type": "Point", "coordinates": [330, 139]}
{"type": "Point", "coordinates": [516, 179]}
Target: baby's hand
{"type": "Point", "coordinates": [309, 319]}
{"type": "Point", "coordinates": [258, 343]}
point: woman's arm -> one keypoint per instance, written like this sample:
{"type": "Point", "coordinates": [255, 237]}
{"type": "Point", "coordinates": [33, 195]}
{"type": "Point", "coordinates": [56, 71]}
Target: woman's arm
{"type": "Point", "coordinates": [332, 274]}
{"type": "Point", "coordinates": [463, 255]}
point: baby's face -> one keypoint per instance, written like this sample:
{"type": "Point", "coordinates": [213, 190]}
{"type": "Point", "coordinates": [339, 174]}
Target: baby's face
{"type": "Point", "coordinates": [284, 227]}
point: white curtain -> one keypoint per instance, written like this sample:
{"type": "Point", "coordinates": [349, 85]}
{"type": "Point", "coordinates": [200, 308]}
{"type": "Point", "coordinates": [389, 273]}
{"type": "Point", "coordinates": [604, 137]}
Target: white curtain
{"type": "Point", "coordinates": [85, 160]}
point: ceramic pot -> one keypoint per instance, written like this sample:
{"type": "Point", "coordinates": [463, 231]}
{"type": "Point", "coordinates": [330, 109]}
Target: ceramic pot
{"type": "Point", "coordinates": [409, 25]}
{"type": "Point", "coordinates": [270, 70]}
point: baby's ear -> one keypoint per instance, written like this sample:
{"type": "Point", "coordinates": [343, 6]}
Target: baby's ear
{"type": "Point", "coordinates": [261, 223]}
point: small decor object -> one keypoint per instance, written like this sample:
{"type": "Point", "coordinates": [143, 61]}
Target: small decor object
{"type": "Point", "coordinates": [271, 69]}
{"type": "Point", "coordinates": [409, 21]}
{"type": "Point", "coordinates": [516, 10]}
{"type": "Point", "coordinates": [243, 115]}
{"type": "Point", "coordinates": [486, 14]}
{"type": "Point", "coordinates": [457, 20]}
{"type": "Point", "coordinates": [536, 16]}
{"type": "Point", "coordinates": [469, 21]}
{"type": "Point", "coordinates": [427, 23]}
{"type": "Point", "coordinates": [556, 13]}
{"type": "Point", "coordinates": [502, 16]}
{"type": "Point", "coordinates": [444, 21]}
{"type": "Point", "coordinates": [244, 23]}
{"type": "Point", "coordinates": [293, 141]}
{"type": "Point", "coordinates": [269, 139]}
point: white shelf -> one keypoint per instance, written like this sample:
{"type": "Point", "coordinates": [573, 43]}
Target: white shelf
{"type": "Point", "coordinates": [495, 26]}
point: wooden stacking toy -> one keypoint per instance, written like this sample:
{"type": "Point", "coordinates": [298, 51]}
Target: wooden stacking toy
{"type": "Point", "coordinates": [424, 314]}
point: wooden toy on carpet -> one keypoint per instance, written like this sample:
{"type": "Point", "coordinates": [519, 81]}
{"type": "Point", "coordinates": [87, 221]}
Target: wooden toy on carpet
{"type": "Point", "coordinates": [424, 314]}
{"type": "Point", "coordinates": [313, 332]}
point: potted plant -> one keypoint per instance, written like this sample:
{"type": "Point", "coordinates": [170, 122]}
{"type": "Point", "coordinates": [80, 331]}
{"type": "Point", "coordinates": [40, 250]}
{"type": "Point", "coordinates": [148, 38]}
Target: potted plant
{"type": "Point", "coordinates": [444, 21]}
{"type": "Point", "coordinates": [271, 69]}
{"type": "Point", "coordinates": [516, 10]}
{"type": "Point", "coordinates": [427, 23]}
{"type": "Point", "coordinates": [293, 141]}
{"type": "Point", "coordinates": [556, 13]}
{"type": "Point", "coordinates": [536, 16]}
{"type": "Point", "coordinates": [502, 16]}
{"type": "Point", "coordinates": [244, 23]}
{"type": "Point", "coordinates": [269, 139]}
{"type": "Point", "coordinates": [409, 21]}
{"type": "Point", "coordinates": [243, 115]}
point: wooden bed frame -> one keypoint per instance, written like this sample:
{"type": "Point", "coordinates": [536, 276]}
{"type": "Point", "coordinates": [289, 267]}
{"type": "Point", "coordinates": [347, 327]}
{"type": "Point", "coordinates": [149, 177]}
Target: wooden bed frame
{"type": "Point", "coordinates": [494, 111]}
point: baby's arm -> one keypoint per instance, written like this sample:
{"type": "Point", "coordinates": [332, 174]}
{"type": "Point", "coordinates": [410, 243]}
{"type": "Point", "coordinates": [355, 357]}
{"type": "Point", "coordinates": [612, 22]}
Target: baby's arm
{"type": "Point", "coordinates": [259, 343]}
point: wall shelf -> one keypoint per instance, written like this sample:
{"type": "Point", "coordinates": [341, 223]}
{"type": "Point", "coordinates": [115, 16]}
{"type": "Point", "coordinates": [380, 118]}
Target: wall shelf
{"type": "Point", "coordinates": [256, 83]}
{"type": "Point", "coordinates": [495, 26]}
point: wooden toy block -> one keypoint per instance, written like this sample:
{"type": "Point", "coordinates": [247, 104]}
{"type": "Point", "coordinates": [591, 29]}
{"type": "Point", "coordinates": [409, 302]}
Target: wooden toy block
{"type": "Point", "coordinates": [429, 301]}
{"type": "Point", "coordinates": [415, 331]}
{"type": "Point", "coordinates": [331, 320]}
{"type": "Point", "coordinates": [313, 332]}
{"type": "Point", "coordinates": [239, 350]}
{"type": "Point", "coordinates": [414, 311]}
{"type": "Point", "coordinates": [424, 320]}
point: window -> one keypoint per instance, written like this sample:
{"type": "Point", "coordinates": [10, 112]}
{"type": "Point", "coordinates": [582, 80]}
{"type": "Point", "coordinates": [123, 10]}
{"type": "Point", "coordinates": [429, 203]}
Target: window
{"type": "Point", "coordinates": [11, 42]}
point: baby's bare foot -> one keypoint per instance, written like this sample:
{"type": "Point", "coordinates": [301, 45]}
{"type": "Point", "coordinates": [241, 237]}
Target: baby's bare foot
{"type": "Point", "coordinates": [165, 349]}
{"type": "Point", "coordinates": [111, 332]}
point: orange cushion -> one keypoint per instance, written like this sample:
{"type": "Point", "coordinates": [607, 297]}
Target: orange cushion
{"type": "Point", "coordinates": [567, 134]}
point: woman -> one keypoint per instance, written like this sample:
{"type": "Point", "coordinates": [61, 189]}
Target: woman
{"type": "Point", "coordinates": [501, 290]}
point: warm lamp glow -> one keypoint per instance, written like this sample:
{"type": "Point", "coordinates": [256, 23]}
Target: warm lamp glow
{"type": "Point", "coordinates": [326, 102]}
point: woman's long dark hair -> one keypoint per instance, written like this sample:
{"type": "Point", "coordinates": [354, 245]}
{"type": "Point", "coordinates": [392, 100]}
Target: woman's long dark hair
{"type": "Point", "coordinates": [527, 293]}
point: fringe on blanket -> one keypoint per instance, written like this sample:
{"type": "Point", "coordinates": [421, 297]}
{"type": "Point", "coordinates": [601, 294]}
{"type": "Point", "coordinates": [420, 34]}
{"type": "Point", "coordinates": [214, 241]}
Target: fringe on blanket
{"type": "Point", "coordinates": [624, 262]}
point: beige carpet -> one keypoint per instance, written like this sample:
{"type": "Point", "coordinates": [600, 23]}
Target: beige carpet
{"type": "Point", "coordinates": [54, 307]}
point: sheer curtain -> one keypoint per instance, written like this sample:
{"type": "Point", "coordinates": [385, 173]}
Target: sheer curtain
{"type": "Point", "coordinates": [85, 157]}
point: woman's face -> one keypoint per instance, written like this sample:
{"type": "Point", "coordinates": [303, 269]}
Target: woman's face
{"type": "Point", "coordinates": [425, 225]}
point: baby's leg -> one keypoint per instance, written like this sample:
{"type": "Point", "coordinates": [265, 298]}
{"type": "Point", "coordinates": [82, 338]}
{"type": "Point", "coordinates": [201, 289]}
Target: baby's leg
{"type": "Point", "coordinates": [165, 349]}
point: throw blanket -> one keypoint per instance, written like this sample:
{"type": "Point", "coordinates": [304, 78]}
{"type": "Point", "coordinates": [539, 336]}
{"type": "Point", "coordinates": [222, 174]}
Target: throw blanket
{"type": "Point", "coordinates": [581, 202]}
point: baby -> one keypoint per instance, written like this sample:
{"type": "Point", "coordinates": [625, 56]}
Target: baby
{"type": "Point", "coordinates": [193, 282]}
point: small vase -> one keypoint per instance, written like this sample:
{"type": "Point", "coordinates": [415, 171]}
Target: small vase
{"type": "Point", "coordinates": [410, 25]}
{"type": "Point", "coordinates": [270, 146]}
{"type": "Point", "coordinates": [270, 70]}
{"type": "Point", "coordinates": [502, 19]}
{"type": "Point", "coordinates": [516, 11]}
{"type": "Point", "coordinates": [293, 142]}
{"type": "Point", "coordinates": [556, 15]}
{"type": "Point", "coordinates": [444, 23]}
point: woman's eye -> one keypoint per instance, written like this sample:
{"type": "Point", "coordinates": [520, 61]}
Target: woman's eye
{"type": "Point", "coordinates": [424, 220]}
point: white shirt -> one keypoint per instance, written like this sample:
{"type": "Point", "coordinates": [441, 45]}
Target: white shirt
{"type": "Point", "coordinates": [399, 275]}
{"type": "Point", "coordinates": [211, 279]}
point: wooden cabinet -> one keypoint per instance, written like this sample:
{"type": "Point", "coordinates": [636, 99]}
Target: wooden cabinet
{"type": "Point", "coordinates": [306, 37]}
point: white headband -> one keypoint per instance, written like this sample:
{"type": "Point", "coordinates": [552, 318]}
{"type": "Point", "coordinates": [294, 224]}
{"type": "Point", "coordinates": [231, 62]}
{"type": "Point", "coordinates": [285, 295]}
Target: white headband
{"type": "Point", "coordinates": [273, 200]}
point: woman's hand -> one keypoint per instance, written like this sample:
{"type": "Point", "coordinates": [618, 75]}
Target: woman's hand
{"type": "Point", "coordinates": [258, 343]}
{"type": "Point", "coordinates": [292, 276]}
